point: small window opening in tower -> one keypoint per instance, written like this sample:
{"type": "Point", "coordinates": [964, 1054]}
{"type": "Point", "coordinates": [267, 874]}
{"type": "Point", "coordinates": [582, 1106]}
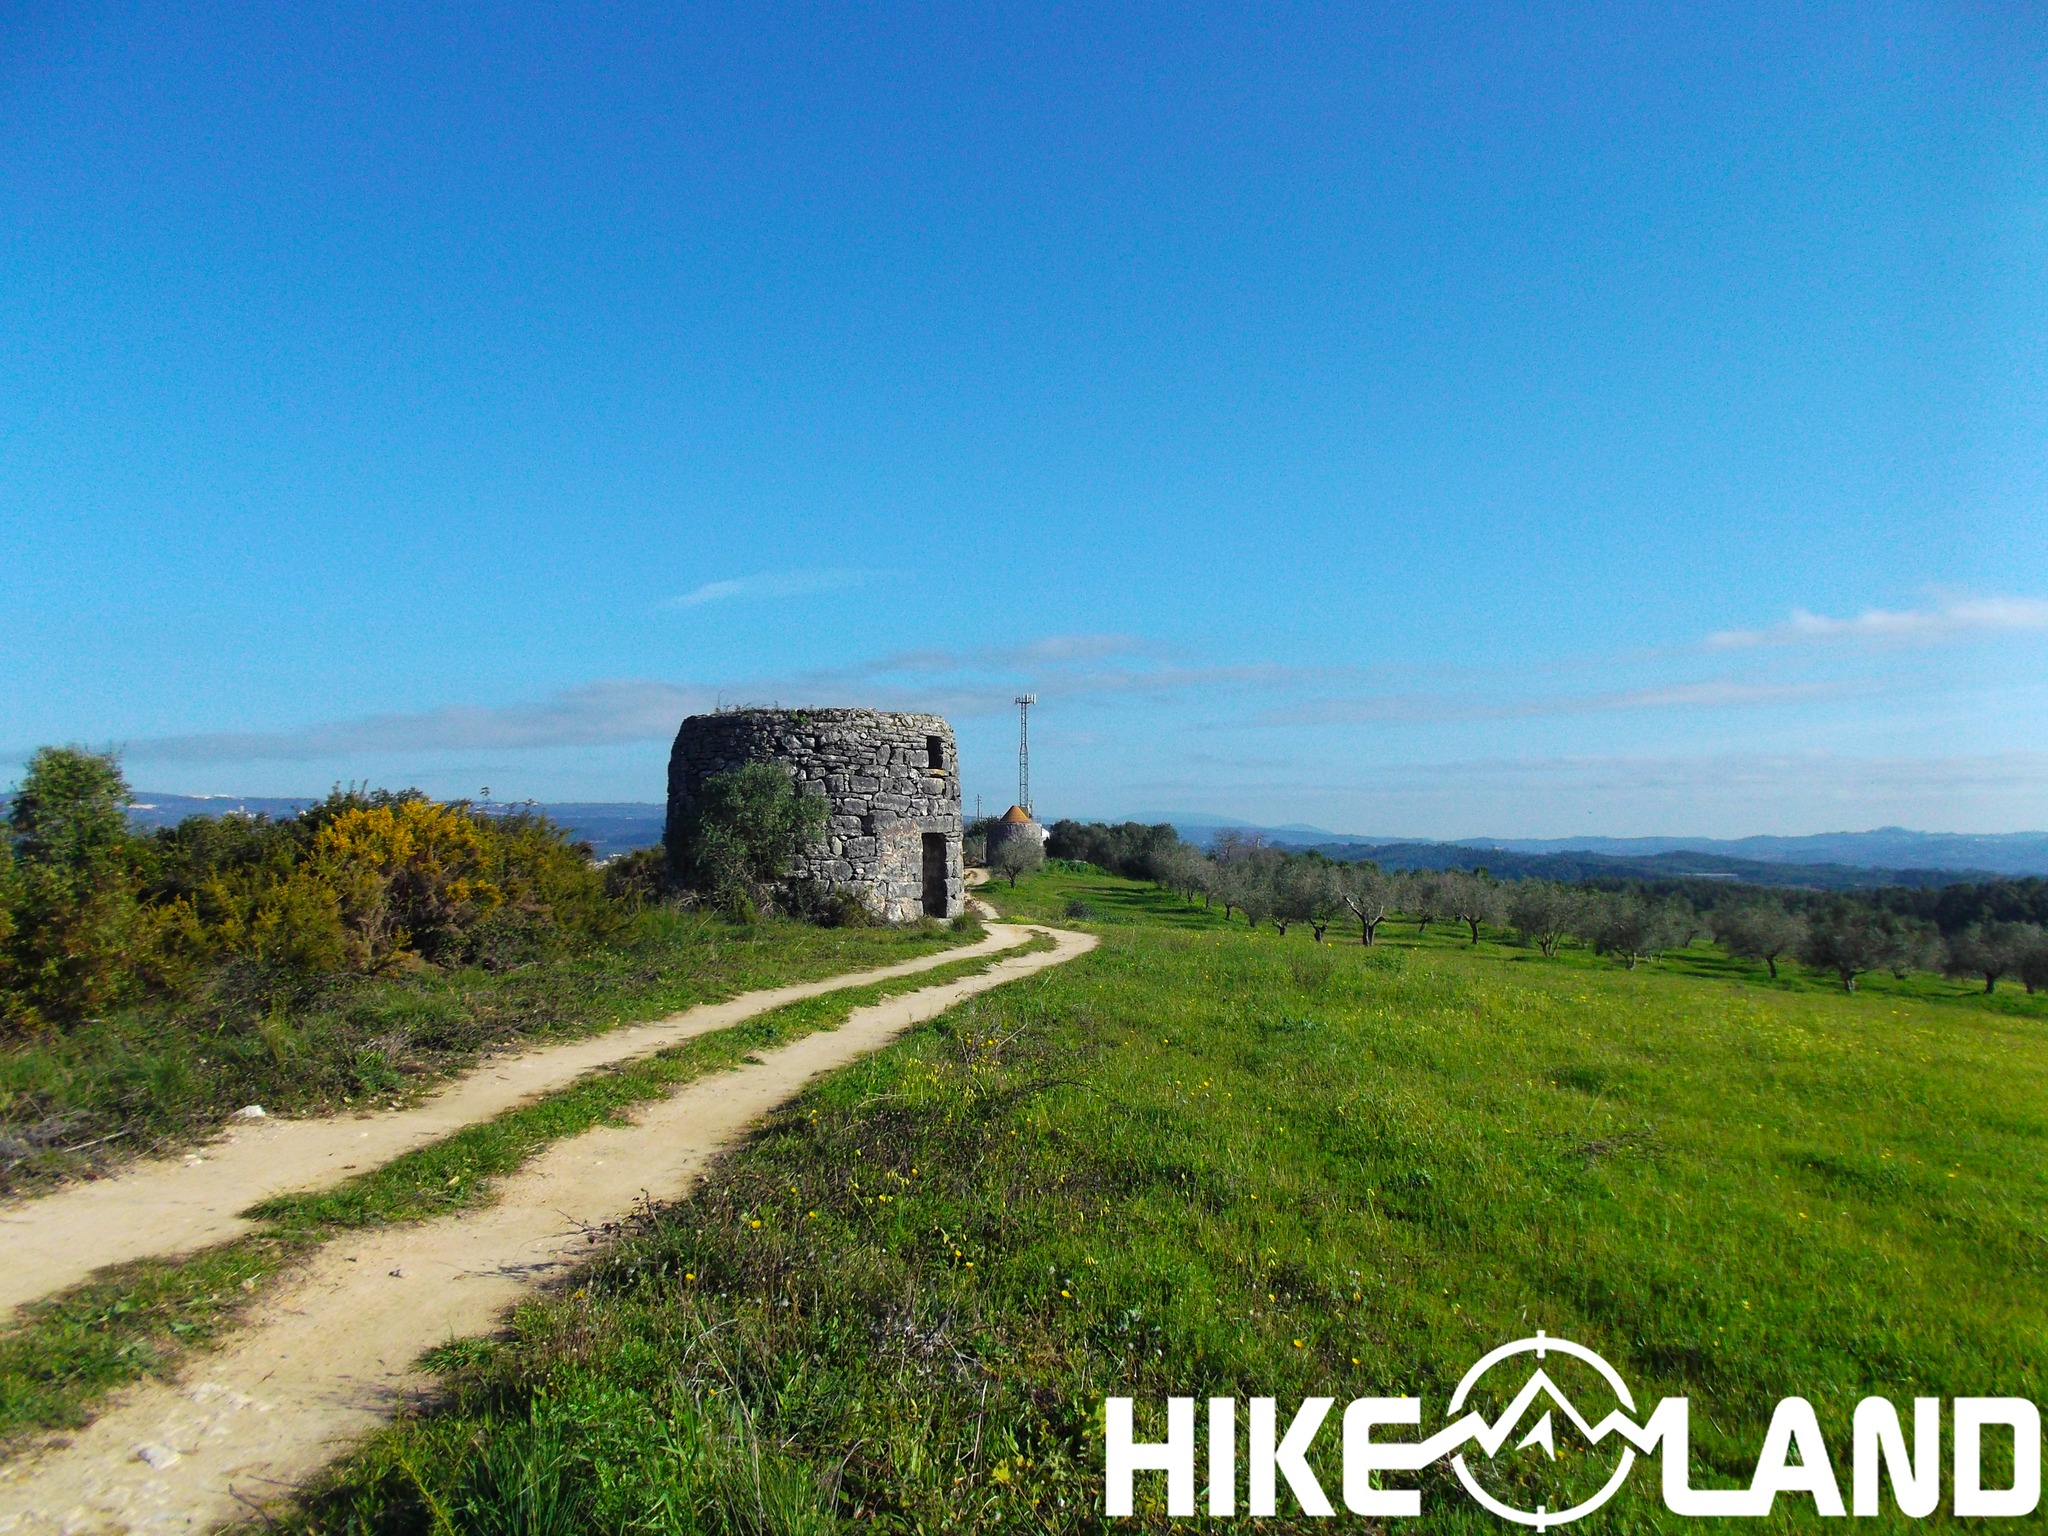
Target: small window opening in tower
{"type": "Point", "coordinates": [935, 752]}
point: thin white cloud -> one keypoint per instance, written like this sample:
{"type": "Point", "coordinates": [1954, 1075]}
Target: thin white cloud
{"type": "Point", "coordinates": [710, 592]}
{"type": "Point", "coordinates": [1425, 708]}
{"type": "Point", "coordinates": [774, 584]}
{"type": "Point", "coordinates": [595, 714]}
{"type": "Point", "coordinates": [1708, 695]}
{"type": "Point", "coordinates": [1950, 620]}
{"type": "Point", "coordinates": [623, 710]}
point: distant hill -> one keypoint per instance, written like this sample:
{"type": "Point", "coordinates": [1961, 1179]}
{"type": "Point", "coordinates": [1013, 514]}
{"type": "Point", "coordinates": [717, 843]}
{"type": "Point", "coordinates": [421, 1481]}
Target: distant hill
{"type": "Point", "coordinates": [1824, 860]}
{"type": "Point", "coordinates": [153, 810]}
{"type": "Point", "coordinates": [1510, 864]}
{"type": "Point", "coordinates": [1827, 860]}
{"type": "Point", "coordinates": [610, 827]}
{"type": "Point", "coordinates": [2004, 853]}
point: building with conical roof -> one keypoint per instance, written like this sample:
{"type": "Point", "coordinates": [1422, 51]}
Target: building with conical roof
{"type": "Point", "coordinates": [1015, 822]}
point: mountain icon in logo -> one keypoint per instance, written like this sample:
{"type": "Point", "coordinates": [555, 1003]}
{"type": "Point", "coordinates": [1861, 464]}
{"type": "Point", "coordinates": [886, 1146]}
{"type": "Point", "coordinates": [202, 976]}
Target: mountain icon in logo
{"type": "Point", "coordinates": [1565, 1449]}
{"type": "Point", "coordinates": [1540, 1435]}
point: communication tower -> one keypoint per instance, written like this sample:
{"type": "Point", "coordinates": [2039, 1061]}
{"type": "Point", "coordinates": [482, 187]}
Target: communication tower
{"type": "Point", "coordinates": [1024, 703]}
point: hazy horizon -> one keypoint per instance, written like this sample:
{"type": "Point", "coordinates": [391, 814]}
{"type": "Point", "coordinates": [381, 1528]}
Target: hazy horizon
{"type": "Point", "coordinates": [149, 797]}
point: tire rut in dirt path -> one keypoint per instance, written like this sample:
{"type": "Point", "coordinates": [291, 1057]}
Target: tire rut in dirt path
{"type": "Point", "coordinates": [55, 1241]}
{"type": "Point", "coordinates": [331, 1355]}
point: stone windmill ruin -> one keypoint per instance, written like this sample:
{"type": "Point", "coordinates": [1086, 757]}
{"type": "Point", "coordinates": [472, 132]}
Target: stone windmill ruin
{"type": "Point", "coordinates": [890, 782]}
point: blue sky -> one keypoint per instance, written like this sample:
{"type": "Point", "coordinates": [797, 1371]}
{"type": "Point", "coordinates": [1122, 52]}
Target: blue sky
{"type": "Point", "coordinates": [1502, 420]}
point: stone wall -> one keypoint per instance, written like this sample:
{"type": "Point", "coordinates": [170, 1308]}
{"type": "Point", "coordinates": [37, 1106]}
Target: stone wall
{"type": "Point", "coordinates": [876, 774]}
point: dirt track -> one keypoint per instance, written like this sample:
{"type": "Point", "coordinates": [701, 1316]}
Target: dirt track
{"type": "Point", "coordinates": [176, 1206]}
{"type": "Point", "coordinates": [329, 1356]}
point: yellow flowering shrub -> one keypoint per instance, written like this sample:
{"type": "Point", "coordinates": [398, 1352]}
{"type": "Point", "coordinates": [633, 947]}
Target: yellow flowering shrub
{"type": "Point", "coordinates": [411, 875]}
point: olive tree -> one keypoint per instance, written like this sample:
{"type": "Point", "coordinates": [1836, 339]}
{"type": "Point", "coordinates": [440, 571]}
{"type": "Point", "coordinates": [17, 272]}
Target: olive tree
{"type": "Point", "coordinates": [1474, 899]}
{"type": "Point", "coordinates": [1850, 940]}
{"type": "Point", "coordinates": [1987, 950]}
{"type": "Point", "coordinates": [1244, 873]}
{"type": "Point", "coordinates": [1306, 890]}
{"type": "Point", "coordinates": [1180, 868]}
{"type": "Point", "coordinates": [1542, 913]}
{"type": "Point", "coordinates": [2032, 964]}
{"type": "Point", "coordinates": [1425, 898]}
{"type": "Point", "coordinates": [1759, 930]}
{"type": "Point", "coordinates": [1252, 885]}
{"type": "Point", "coordinates": [749, 826]}
{"type": "Point", "coordinates": [1016, 855]}
{"type": "Point", "coordinates": [1232, 845]}
{"type": "Point", "coordinates": [1370, 896]}
{"type": "Point", "coordinates": [1236, 868]}
{"type": "Point", "coordinates": [1633, 928]}
{"type": "Point", "coordinates": [1921, 947]}
{"type": "Point", "coordinates": [1325, 898]}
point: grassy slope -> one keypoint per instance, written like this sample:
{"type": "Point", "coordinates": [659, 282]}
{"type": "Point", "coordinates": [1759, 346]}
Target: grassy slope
{"type": "Point", "coordinates": [1203, 1161]}
{"type": "Point", "coordinates": [143, 1319]}
{"type": "Point", "coordinates": [150, 1076]}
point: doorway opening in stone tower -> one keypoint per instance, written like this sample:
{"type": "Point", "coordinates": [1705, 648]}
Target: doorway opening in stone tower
{"type": "Point", "coordinates": [935, 874]}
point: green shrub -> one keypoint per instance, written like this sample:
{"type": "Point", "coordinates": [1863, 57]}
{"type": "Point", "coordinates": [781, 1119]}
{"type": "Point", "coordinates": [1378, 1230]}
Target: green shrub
{"type": "Point", "coordinates": [1133, 850]}
{"type": "Point", "coordinates": [638, 879]}
{"type": "Point", "coordinates": [551, 883]}
{"type": "Point", "coordinates": [71, 813]}
{"type": "Point", "coordinates": [291, 923]}
{"type": "Point", "coordinates": [72, 888]}
{"type": "Point", "coordinates": [749, 826]}
{"type": "Point", "coordinates": [838, 909]}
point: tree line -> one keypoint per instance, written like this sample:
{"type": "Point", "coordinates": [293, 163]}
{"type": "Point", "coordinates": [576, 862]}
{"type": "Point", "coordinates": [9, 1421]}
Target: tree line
{"type": "Point", "coordinates": [1842, 936]}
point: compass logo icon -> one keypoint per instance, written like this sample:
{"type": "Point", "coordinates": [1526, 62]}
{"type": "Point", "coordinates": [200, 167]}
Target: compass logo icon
{"type": "Point", "coordinates": [1540, 1411]}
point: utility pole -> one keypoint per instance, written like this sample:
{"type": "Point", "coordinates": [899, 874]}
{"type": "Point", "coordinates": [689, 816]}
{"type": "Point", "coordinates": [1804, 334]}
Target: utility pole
{"type": "Point", "coordinates": [1024, 703]}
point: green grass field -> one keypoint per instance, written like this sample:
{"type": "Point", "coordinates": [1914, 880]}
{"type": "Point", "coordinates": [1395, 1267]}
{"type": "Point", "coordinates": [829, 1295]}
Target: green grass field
{"type": "Point", "coordinates": [1205, 1161]}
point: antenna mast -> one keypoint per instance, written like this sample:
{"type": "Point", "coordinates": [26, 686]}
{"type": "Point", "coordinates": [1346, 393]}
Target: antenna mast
{"type": "Point", "coordinates": [1024, 703]}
